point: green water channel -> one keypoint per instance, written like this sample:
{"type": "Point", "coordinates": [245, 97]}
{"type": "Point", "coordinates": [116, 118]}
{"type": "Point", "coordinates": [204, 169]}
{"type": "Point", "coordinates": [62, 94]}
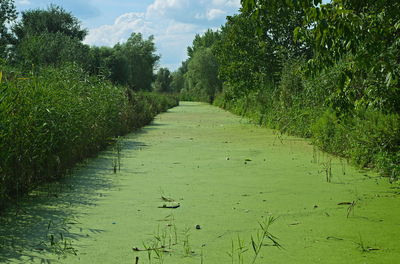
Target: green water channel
{"type": "Point", "coordinates": [226, 175]}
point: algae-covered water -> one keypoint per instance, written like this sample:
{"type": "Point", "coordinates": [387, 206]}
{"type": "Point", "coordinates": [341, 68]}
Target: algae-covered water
{"type": "Point", "coordinates": [226, 175]}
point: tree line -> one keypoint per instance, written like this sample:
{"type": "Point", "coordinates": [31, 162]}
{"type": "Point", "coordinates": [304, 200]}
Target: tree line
{"type": "Point", "coordinates": [54, 37]}
{"type": "Point", "coordinates": [329, 71]}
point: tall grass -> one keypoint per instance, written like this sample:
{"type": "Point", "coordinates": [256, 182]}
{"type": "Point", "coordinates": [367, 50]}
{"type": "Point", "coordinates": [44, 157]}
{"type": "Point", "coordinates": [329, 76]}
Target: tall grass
{"type": "Point", "coordinates": [53, 119]}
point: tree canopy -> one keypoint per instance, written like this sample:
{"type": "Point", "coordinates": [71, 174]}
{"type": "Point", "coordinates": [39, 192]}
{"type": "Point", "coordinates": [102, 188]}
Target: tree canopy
{"type": "Point", "coordinates": [53, 20]}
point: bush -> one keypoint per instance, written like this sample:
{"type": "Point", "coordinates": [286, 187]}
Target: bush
{"type": "Point", "coordinates": [376, 140]}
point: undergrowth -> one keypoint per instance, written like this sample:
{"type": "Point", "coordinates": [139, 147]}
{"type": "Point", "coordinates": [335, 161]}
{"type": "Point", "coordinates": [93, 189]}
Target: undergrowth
{"type": "Point", "coordinates": [304, 106]}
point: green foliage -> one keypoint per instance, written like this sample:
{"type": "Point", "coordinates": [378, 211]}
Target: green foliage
{"type": "Point", "coordinates": [99, 61]}
{"type": "Point", "coordinates": [46, 119]}
{"type": "Point", "coordinates": [329, 133]}
{"type": "Point", "coordinates": [52, 49]}
{"type": "Point", "coordinates": [163, 81]}
{"type": "Point", "coordinates": [242, 58]}
{"type": "Point", "coordinates": [370, 139]}
{"type": "Point", "coordinates": [200, 72]}
{"type": "Point", "coordinates": [49, 37]}
{"type": "Point", "coordinates": [53, 20]}
{"type": "Point", "coordinates": [201, 78]}
{"type": "Point", "coordinates": [275, 22]}
{"type": "Point", "coordinates": [177, 81]}
{"type": "Point", "coordinates": [206, 40]}
{"type": "Point", "coordinates": [132, 63]}
{"type": "Point", "coordinates": [8, 14]}
{"type": "Point", "coordinates": [365, 33]}
{"type": "Point", "coordinates": [178, 78]}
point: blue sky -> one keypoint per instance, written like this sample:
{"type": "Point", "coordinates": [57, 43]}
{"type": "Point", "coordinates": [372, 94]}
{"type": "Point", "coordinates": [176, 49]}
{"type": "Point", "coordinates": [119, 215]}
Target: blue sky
{"type": "Point", "coordinates": [173, 23]}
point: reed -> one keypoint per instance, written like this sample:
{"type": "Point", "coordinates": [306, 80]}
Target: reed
{"type": "Point", "coordinates": [54, 119]}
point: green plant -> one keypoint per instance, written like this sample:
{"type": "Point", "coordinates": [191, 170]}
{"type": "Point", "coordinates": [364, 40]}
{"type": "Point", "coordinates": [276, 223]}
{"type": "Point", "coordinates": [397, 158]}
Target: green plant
{"type": "Point", "coordinates": [186, 244]}
{"type": "Point", "coordinates": [264, 234]}
{"type": "Point", "coordinates": [350, 209]}
{"type": "Point", "coordinates": [257, 242]}
{"type": "Point", "coordinates": [240, 250]}
{"type": "Point", "coordinates": [327, 168]}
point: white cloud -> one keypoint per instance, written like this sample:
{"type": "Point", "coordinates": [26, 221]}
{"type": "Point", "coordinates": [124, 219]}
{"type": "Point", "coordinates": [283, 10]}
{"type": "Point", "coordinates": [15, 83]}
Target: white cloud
{"type": "Point", "coordinates": [215, 14]}
{"type": "Point", "coordinates": [233, 3]}
{"type": "Point", "coordinates": [23, 2]}
{"type": "Point", "coordinates": [174, 23]}
{"type": "Point", "coordinates": [108, 35]}
{"type": "Point", "coordinates": [228, 3]}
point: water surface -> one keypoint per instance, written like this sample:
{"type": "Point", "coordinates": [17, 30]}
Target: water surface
{"type": "Point", "coordinates": [227, 175]}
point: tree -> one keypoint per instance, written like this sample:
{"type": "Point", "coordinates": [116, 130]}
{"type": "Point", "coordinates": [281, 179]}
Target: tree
{"type": "Point", "coordinates": [200, 70]}
{"type": "Point", "coordinates": [275, 22]}
{"type": "Point", "coordinates": [163, 81]}
{"type": "Point", "coordinates": [246, 61]}
{"type": "Point", "coordinates": [52, 49]}
{"type": "Point", "coordinates": [7, 15]}
{"type": "Point", "coordinates": [202, 75]}
{"type": "Point", "coordinates": [206, 40]}
{"type": "Point", "coordinates": [133, 62]}
{"type": "Point", "coordinates": [49, 37]}
{"type": "Point", "coordinates": [361, 35]}
{"type": "Point", "coordinates": [53, 20]}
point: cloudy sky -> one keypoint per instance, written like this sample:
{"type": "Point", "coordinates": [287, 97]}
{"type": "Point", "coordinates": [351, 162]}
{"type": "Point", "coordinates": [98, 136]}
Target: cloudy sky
{"type": "Point", "coordinates": [173, 23]}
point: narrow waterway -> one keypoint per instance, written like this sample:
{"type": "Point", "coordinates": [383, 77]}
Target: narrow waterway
{"type": "Point", "coordinates": [221, 176]}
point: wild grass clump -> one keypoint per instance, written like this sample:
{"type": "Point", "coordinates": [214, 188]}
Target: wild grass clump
{"type": "Point", "coordinates": [53, 119]}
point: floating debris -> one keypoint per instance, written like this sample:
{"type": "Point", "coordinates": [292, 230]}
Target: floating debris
{"type": "Point", "coordinates": [345, 203]}
{"type": "Point", "coordinates": [334, 238]}
{"type": "Point", "coordinates": [171, 206]}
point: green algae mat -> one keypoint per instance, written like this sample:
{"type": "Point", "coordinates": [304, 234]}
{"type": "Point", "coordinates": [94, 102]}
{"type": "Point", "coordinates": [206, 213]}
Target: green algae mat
{"type": "Point", "coordinates": [200, 185]}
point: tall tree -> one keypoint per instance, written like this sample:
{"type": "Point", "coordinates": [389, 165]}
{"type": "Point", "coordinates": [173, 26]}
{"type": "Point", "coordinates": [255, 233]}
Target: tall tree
{"type": "Point", "coordinates": [202, 75]}
{"type": "Point", "coordinates": [206, 40]}
{"type": "Point", "coordinates": [246, 60]}
{"type": "Point", "coordinates": [200, 71]}
{"type": "Point", "coordinates": [133, 62]}
{"type": "Point", "coordinates": [49, 37]}
{"type": "Point", "coordinates": [53, 20]}
{"type": "Point", "coordinates": [163, 81]}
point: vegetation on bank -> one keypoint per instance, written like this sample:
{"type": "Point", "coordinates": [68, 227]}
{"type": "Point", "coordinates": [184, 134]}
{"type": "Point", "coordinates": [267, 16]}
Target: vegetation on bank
{"type": "Point", "coordinates": [61, 100]}
{"type": "Point", "coordinates": [59, 117]}
{"type": "Point", "coordinates": [329, 71]}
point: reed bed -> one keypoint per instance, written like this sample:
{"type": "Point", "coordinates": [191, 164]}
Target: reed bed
{"type": "Point", "coordinates": [52, 120]}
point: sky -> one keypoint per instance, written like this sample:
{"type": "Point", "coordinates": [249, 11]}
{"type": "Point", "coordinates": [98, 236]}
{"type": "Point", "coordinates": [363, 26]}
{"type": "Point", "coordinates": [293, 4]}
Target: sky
{"type": "Point", "coordinates": [173, 23]}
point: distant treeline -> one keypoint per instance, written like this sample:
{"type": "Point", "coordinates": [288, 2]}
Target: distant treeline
{"type": "Point", "coordinates": [326, 71]}
{"type": "Point", "coordinates": [62, 101]}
